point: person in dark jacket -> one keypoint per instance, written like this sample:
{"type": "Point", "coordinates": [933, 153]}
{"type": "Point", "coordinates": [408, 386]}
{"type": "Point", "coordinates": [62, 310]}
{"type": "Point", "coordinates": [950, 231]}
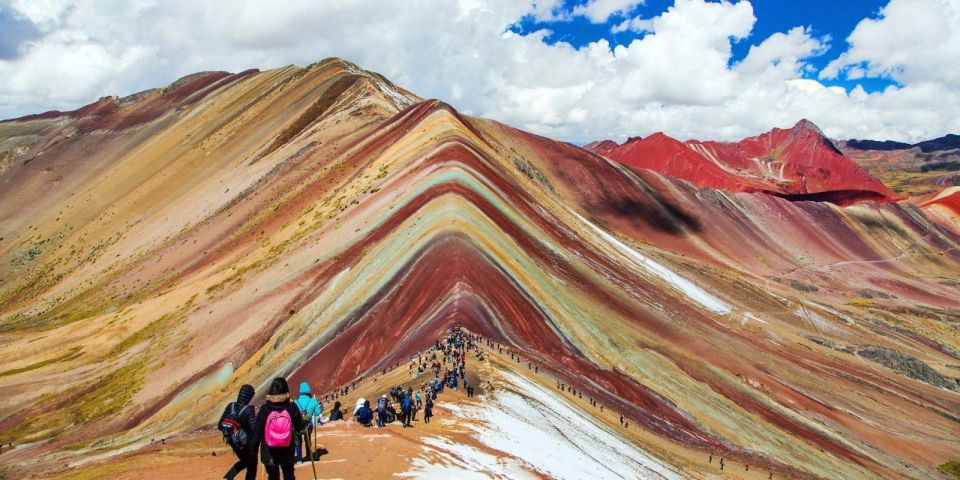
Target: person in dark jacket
{"type": "Point", "coordinates": [382, 411]}
{"type": "Point", "coordinates": [427, 410]}
{"type": "Point", "coordinates": [336, 413]}
{"type": "Point", "coordinates": [279, 459]}
{"type": "Point", "coordinates": [406, 406]}
{"type": "Point", "coordinates": [364, 414]}
{"type": "Point", "coordinates": [246, 454]}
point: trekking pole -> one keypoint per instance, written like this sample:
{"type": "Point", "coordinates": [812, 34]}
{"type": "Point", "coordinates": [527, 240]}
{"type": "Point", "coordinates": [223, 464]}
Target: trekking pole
{"type": "Point", "coordinates": [315, 433]}
{"type": "Point", "coordinates": [306, 439]}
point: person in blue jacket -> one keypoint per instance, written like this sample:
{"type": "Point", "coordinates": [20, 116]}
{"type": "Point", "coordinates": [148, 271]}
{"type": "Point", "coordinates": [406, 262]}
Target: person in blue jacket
{"type": "Point", "coordinates": [365, 414]}
{"type": "Point", "coordinates": [311, 410]}
{"type": "Point", "coordinates": [406, 406]}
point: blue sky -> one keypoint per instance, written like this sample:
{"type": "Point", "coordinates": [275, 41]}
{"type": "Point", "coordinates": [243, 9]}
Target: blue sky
{"type": "Point", "coordinates": [830, 19]}
{"type": "Point", "coordinates": [706, 69]}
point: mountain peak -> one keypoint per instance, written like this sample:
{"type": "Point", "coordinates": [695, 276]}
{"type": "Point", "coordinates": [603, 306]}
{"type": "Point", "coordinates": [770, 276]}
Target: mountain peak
{"type": "Point", "coordinates": [805, 125]}
{"type": "Point", "coordinates": [799, 163]}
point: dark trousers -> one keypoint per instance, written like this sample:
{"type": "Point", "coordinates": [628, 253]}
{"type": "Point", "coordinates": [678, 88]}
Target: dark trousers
{"type": "Point", "coordinates": [283, 460]}
{"type": "Point", "coordinates": [245, 460]}
{"type": "Point", "coordinates": [273, 471]}
{"type": "Point", "coordinates": [405, 415]}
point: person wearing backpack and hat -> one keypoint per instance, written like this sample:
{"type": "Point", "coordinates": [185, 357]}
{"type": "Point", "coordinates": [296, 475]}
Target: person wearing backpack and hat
{"type": "Point", "coordinates": [280, 420]}
{"type": "Point", "coordinates": [311, 410]}
{"type": "Point", "coordinates": [239, 427]}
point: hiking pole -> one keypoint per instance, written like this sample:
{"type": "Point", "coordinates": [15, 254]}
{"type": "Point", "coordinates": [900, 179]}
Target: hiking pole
{"type": "Point", "coordinates": [315, 422]}
{"type": "Point", "coordinates": [306, 438]}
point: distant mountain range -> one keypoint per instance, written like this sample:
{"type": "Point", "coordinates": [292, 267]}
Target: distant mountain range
{"type": "Point", "coordinates": [947, 142]}
{"type": "Point", "coordinates": [799, 163]}
{"type": "Point", "coordinates": [909, 169]}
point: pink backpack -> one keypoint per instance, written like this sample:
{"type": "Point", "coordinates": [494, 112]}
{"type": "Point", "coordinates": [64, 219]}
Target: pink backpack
{"type": "Point", "coordinates": [279, 429]}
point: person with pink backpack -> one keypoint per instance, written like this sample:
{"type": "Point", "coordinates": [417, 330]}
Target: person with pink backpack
{"type": "Point", "coordinates": [279, 420]}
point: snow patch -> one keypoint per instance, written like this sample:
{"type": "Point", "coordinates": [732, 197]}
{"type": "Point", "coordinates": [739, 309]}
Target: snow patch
{"type": "Point", "coordinates": [688, 288]}
{"type": "Point", "coordinates": [539, 433]}
{"type": "Point", "coordinates": [400, 100]}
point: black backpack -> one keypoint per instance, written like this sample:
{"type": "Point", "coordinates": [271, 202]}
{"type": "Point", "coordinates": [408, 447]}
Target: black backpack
{"type": "Point", "coordinates": [231, 428]}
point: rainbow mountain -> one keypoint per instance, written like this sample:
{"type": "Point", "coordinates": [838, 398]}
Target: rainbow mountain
{"type": "Point", "coordinates": [324, 224]}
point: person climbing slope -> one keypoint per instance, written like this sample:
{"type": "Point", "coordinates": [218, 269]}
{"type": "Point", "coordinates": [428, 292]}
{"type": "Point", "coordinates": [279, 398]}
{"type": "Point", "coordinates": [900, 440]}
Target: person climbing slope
{"type": "Point", "coordinates": [381, 411]}
{"type": "Point", "coordinates": [238, 423]}
{"type": "Point", "coordinates": [406, 406]}
{"type": "Point", "coordinates": [280, 420]}
{"type": "Point", "coordinates": [428, 410]}
{"type": "Point", "coordinates": [311, 410]}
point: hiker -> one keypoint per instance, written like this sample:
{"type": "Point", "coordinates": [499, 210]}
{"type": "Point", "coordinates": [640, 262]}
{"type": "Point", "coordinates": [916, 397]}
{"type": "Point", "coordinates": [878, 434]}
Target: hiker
{"type": "Point", "coordinates": [280, 420]}
{"type": "Point", "coordinates": [335, 413]}
{"type": "Point", "coordinates": [310, 410]}
{"type": "Point", "coordinates": [419, 400]}
{"type": "Point", "coordinates": [428, 410]}
{"type": "Point", "coordinates": [406, 405]}
{"type": "Point", "coordinates": [364, 414]}
{"type": "Point", "coordinates": [381, 411]}
{"type": "Point", "coordinates": [238, 423]}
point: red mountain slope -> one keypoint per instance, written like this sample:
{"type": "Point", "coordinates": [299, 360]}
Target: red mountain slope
{"type": "Point", "coordinates": [797, 163]}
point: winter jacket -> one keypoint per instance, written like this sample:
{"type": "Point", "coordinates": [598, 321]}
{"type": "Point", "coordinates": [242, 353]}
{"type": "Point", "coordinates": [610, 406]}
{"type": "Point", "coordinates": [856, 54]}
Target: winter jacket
{"type": "Point", "coordinates": [246, 416]}
{"type": "Point", "coordinates": [406, 405]}
{"type": "Point", "coordinates": [336, 413]}
{"type": "Point", "coordinates": [381, 404]}
{"type": "Point", "coordinates": [365, 414]}
{"type": "Point", "coordinates": [276, 403]}
{"type": "Point", "coordinates": [309, 406]}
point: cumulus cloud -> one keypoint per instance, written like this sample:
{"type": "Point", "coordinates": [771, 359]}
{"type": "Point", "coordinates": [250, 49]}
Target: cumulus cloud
{"type": "Point", "coordinates": [598, 11]}
{"type": "Point", "coordinates": [910, 41]}
{"type": "Point", "coordinates": [678, 77]}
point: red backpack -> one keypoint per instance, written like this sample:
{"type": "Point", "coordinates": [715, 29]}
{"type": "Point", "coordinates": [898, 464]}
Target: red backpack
{"type": "Point", "coordinates": [278, 431]}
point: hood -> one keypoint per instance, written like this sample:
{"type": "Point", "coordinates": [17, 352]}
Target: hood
{"type": "Point", "coordinates": [283, 397]}
{"type": "Point", "coordinates": [304, 388]}
{"type": "Point", "coordinates": [366, 403]}
{"type": "Point", "coordinates": [245, 395]}
{"type": "Point", "coordinates": [336, 406]}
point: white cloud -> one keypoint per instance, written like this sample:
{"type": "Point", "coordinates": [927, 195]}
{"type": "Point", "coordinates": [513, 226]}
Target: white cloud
{"type": "Point", "coordinates": [635, 24]}
{"type": "Point", "coordinates": [910, 41]}
{"type": "Point", "coordinates": [598, 11]}
{"type": "Point", "coordinates": [677, 78]}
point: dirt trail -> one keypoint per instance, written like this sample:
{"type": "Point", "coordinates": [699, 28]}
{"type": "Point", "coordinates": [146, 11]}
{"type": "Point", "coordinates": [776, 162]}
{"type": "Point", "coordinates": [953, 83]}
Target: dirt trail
{"type": "Point", "coordinates": [358, 452]}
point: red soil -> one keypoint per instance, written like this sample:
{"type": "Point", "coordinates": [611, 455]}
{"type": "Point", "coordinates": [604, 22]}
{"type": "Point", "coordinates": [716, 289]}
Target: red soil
{"type": "Point", "coordinates": [799, 163]}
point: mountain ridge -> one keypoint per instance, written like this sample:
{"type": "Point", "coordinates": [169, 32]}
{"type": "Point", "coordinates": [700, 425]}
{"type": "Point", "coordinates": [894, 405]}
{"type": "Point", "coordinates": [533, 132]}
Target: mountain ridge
{"type": "Point", "coordinates": [300, 222]}
{"type": "Point", "coordinates": [798, 163]}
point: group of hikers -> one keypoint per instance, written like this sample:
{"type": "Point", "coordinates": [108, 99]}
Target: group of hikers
{"type": "Point", "coordinates": [447, 361]}
{"type": "Point", "coordinates": [280, 429]}
{"type": "Point", "coordinates": [282, 432]}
